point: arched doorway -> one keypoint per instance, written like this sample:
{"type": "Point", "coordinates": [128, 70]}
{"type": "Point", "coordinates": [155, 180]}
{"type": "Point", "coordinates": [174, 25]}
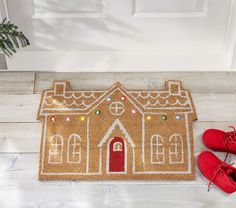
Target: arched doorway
{"type": "Point", "coordinates": [117, 155]}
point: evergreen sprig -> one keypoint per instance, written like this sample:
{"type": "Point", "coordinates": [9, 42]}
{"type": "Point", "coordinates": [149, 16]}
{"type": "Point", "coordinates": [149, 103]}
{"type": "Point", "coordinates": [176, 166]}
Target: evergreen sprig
{"type": "Point", "coordinates": [11, 38]}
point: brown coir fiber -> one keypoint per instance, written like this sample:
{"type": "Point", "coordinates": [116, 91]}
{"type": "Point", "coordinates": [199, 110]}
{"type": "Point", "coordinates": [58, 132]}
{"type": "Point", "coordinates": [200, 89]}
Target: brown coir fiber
{"type": "Point", "coordinates": [116, 134]}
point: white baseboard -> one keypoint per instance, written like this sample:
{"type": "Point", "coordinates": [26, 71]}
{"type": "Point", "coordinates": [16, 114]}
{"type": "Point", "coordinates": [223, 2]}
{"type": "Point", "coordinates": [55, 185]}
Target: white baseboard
{"type": "Point", "coordinates": [119, 60]}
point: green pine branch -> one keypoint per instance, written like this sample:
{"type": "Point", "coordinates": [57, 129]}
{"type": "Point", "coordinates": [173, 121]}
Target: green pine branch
{"type": "Point", "coordinates": [10, 38]}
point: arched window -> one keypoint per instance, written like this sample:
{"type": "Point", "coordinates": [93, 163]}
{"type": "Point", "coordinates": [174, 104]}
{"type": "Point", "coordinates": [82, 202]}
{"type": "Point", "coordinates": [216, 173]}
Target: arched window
{"type": "Point", "coordinates": [74, 149]}
{"type": "Point", "coordinates": [55, 150]}
{"type": "Point", "coordinates": [176, 149]}
{"type": "Point", "coordinates": [157, 149]}
{"type": "Point", "coordinates": [117, 146]}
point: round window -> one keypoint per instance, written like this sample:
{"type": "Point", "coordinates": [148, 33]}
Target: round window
{"type": "Point", "coordinates": [117, 108]}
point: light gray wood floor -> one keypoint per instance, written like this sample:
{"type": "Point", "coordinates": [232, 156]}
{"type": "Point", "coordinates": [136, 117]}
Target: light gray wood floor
{"type": "Point", "coordinates": [214, 95]}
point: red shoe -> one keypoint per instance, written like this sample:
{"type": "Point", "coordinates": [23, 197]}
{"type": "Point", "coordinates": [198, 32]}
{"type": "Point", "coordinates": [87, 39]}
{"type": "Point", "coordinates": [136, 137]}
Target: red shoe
{"type": "Point", "coordinates": [220, 141]}
{"type": "Point", "coordinates": [220, 173]}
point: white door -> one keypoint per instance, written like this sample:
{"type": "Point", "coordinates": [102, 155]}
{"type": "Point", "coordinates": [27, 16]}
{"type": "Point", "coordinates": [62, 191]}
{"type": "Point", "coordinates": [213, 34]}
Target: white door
{"type": "Point", "coordinates": [108, 35]}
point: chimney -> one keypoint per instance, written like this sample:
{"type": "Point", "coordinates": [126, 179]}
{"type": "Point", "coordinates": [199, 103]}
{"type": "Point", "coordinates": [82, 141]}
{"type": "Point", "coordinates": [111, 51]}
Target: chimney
{"type": "Point", "coordinates": [60, 87]}
{"type": "Point", "coordinates": [174, 87]}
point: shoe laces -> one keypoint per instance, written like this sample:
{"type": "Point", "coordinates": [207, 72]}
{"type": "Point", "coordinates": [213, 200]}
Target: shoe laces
{"type": "Point", "coordinates": [230, 137]}
{"type": "Point", "coordinates": [219, 171]}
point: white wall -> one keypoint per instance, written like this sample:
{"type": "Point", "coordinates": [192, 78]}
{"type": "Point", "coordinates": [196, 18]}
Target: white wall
{"type": "Point", "coordinates": [124, 35]}
{"type": "Point", "coordinates": [3, 63]}
{"type": "Point", "coordinates": [234, 58]}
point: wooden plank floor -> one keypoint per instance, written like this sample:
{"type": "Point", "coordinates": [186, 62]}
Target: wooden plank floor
{"type": "Point", "coordinates": [214, 96]}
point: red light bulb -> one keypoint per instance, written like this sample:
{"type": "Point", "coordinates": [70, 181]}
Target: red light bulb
{"type": "Point", "coordinates": [123, 98]}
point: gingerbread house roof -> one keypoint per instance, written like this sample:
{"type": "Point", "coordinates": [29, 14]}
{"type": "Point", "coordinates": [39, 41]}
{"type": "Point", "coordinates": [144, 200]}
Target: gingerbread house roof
{"type": "Point", "coordinates": [61, 99]}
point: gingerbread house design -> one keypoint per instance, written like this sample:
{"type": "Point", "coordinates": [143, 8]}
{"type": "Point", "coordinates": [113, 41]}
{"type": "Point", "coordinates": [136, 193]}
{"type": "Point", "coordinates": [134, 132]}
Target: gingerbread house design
{"type": "Point", "coordinates": [116, 133]}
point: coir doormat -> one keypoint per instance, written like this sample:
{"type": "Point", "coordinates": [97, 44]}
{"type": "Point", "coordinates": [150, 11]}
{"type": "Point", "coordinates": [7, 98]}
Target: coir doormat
{"type": "Point", "coordinates": [116, 134]}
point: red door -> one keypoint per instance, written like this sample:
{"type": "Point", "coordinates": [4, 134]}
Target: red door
{"type": "Point", "coordinates": [117, 155]}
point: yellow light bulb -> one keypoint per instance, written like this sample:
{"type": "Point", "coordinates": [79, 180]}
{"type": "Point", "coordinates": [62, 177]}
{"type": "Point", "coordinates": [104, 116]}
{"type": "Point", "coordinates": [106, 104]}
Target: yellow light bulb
{"type": "Point", "coordinates": [82, 118]}
{"type": "Point", "coordinates": [149, 118]}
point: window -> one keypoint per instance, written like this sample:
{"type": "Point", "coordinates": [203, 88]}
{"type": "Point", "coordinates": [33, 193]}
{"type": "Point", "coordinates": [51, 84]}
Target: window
{"type": "Point", "coordinates": [117, 146]}
{"type": "Point", "coordinates": [56, 149]}
{"type": "Point", "coordinates": [116, 108]}
{"type": "Point", "coordinates": [176, 149]}
{"type": "Point", "coordinates": [157, 149]}
{"type": "Point", "coordinates": [74, 149]}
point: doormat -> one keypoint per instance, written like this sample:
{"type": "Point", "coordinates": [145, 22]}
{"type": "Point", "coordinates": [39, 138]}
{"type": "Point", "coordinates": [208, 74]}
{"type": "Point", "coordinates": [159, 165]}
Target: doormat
{"type": "Point", "coordinates": [116, 134]}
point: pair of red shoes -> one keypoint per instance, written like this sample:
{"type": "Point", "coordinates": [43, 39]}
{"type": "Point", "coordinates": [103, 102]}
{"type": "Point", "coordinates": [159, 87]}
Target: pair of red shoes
{"type": "Point", "coordinates": [219, 172]}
